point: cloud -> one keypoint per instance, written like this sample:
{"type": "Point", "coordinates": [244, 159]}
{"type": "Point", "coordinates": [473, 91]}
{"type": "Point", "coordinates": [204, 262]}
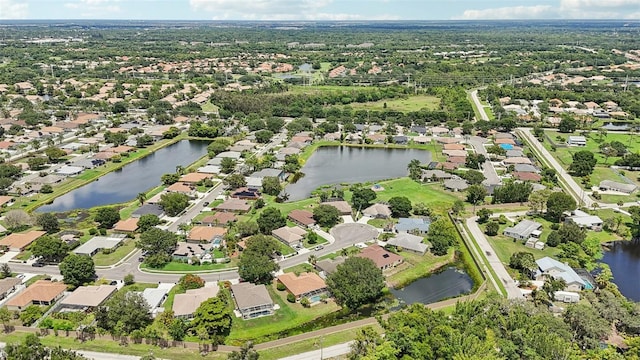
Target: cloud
{"type": "Point", "coordinates": [94, 8]}
{"type": "Point", "coordinates": [273, 10]}
{"type": "Point", "coordinates": [13, 9]}
{"type": "Point", "coordinates": [564, 9]}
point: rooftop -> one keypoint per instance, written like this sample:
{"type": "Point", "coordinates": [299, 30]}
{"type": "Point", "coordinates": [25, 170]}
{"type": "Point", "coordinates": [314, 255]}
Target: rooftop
{"type": "Point", "coordinates": [21, 240]}
{"type": "Point", "coordinates": [99, 242]}
{"type": "Point", "coordinates": [206, 233]}
{"type": "Point", "coordinates": [41, 290]}
{"type": "Point", "coordinates": [302, 284]}
{"type": "Point", "coordinates": [248, 295]}
{"type": "Point", "coordinates": [188, 303]}
{"type": "Point", "coordinates": [89, 296]}
{"type": "Point", "coordinates": [409, 241]}
{"type": "Point", "coordinates": [379, 256]}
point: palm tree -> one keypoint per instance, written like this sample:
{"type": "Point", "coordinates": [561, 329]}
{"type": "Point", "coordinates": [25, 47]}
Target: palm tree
{"type": "Point", "coordinates": [180, 170]}
{"type": "Point", "coordinates": [142, 197]}
{"type": "Point", "coordinates": [312, 259]}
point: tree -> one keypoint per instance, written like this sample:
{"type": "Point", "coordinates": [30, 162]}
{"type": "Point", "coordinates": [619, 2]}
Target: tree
{"type": "Point", "coordinates": [270, 219]}
{"type": "Point", "coordinates": [191, 281]}
{"type": "Point", "coordinates": [415, 171]}
{"type": "Point", "coordinates": [457, 207]}
{"type": "Point", "coordinates": [263, 136]}
{"type": "Point", "coordinates": [570, 232]}
{"type": "Point", "coordinates": [538, 199]}
{"type": "Point", "coordinates": [227, 165]}
{"type": "Point", "coordinates": [36, 163]}
{"type": "Point", "coordinates": [567, 125]}
{"type": "Point", "coordinates": [107, 217]}
{"type": "Point", "coordinates": [214, 316]}
{"type": "Point", "coordinates": [247, 352]}
{"type": "Point", "coordinates": [475, 161]}
{"type": "Point", "coordinates": [476, 194]}
{"type": "Point", "coordinates": [144, 141]}
{"type": "Point", "coordinates": [256, 268]}
{"type": "Point", "coordinates": [48, 222]}
{"type": "Point", "coordinates": [169, 179]}
{"type": "Point", "coordinates": [31, 348]}
{"type": "Point", "coordinates": [54, 154]}
{"type": "Point", "coordinates": [50, 249]}
{"type": "Point", "coordinates": [217, 146]}
{"type": "Point", "coordinates": [441, 235]}
{"type": "Point", "coordinates": [326, 215]}
{"type": "Point", "coordinates": [473, 177]}
{"type": "Point", "coordinates": [365, 343]}
{"type": "Point", "coordinates": [142, 197]}
{"type": "Point", "coordinates": [124, 312]}
{"type": "Point", "coordinates": [147, 221]}
{"type": "Point", "coordinates": [17, 218]}
{"type": "Point", "coordinates": [525, 262]}
{"type": "Point", "coordinates": [5, 271]}
{"type": "Point", "coordinates": [583, 163]}
{"type": "Point", "coordinates": [558, 203]}
{"type": "Point", "coordinates": [483, 215]}
{"type": "Point", "coordinates": [235, 181]}
{"type": "Point", "coordinates": [158, 243]}
{"type": "Point", "coordinates": [5, 317]}
{"type": "Point", "coordinates": [588, 328]}
{"type": "Point", "coordinates": [119, 108]}
{"type": "Point", "coordinates": [173, 203]}
{"type": "Point", "coordinates": [177, 329]}
{"type": "Point", "coordinates": [492, 228]}
{"type": "Point", "coordinates": [271, 185]}
{"type": "Point", "coordinates": [361, 197]}
{"type": "Point", "coordinates": [77, 270]}
{"type": "Point", "coordinates": [400, 206]}
{"type": "Point", "coordinates": [129, 279]}
{"type": "Point", "coordinates": [356, 282]}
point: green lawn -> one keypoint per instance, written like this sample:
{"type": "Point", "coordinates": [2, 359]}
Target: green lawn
{"type": "Point", "coordinates": [138, 287]}
{"type": "Point", "coordinates": [593, 142]}
{"type": "Point", "coordinates": [288, 316]}
{"type": "Point", "coordinates": [209, 107]}
{"type": "Point", "coordinates": [320, 241]}
{"type": "Point", "coordinates": [118, 254]}
{"type": "Point", "coordinates": [410, 104]}
{"type": "Point", "coordinates": [179, 267]}
{"type": "Point", "coordinates": [300, 268]}
{"type": "Point", "coordinates": [284, 249]}
{"type": "Point", "coordinates": [34, 279]}
{"type": "Point", "coordinates": [417, 266]}
{"type": "Point", "coordinates": [168, 304]}
{"type": "Point", "coordinates": [432, 195]}
{"type": "Point", "coordinates": [312, 344]}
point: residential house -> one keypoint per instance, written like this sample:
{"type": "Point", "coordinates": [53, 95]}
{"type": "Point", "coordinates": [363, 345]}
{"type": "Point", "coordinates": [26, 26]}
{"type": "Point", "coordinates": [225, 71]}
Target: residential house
{"type": "Point", "coordinates": [219, 218]}
{"type": "Point", "coordinates": [277, 173]}
{"type": "Point", "coordinates": [524, 230]}
{"type": "Point", "coordinates": [234, 205]}
{"type": "Point", "coordinates": [182, 188]}
{"type": "Point", "coordinates": [455, 153]}
{"type": "Point", "coordinates": [328, 266]}
{"type": "Point", "coordinates": [377, 211]}
{"type": "Point", "coordinates": [382, 258]}
{"type": "Point", "coordinates": [400, 139]}
{"type": "Point", "coordinates": [129, 225]}
{"type": "Point", "coordinates": [186, 251]}
{"type": "Point", "coordinates": [154, 297]}
{"type": "Point", "coordinates": [453, 147]}
{"type": "Point", "coordinates": [526, 176]}
{"type": "Point", "coordinates": [416, 226]}
{"type": "Point", "coordinates": [246, 193]}
{"type": "Point", "coordinates": [8, 285]}
{"type": "Point", "coordinates": [514, 153]}
{"type": "Point", "coordinates": [42, 292]}
{"type": "Point", "coordinates": [68, 170]}
{"type": "Point", "coordinates": [185, 305]}
{"type": "Point", "coordinates": [6, 201]}
{"type": "Point", "coordinates": [435, 175]}
{"type": "Point", "coordinates": [88, 297]}
{"type": "Point", "coordinates": [609, 185]}
{"type": "Point", "coordinates": [584, 220]}
{"type": "Point", "coordinates": [252, 301]}
{"type": "Point", "coordinates": [577, 141]}
{"type": "Point", "coordinates": [291, 236]}
{"type": "Point", "coordinates": [525, 168]}
{"type": "Point", "coordinates": [343, 207]}
{"type": "Point", "coordinates": [306, 285]}
{"type": "Point", "coordinates": [20, 241]}
{"type": "Point", "coordinates": [557, 270]}
{"type": "Point", "coordinates": [206, 234]}
{"type": "Point", "coordinates": [409, 242]}
{"type": "Point", "coordinates": [516, 160]}
{"type": "Point", "coordinates": [302, 218]}
{"type": "Point", "coordinates": [98, 243]}
{"type": "Point", "coordinates": [194, 178]}
{"type": "Point", "coordinates": [456, 185]}
{"type": "Point", "coordinates": [148, 208]}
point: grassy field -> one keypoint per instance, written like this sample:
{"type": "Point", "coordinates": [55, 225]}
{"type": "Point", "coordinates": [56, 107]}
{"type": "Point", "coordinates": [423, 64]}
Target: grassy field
{"type": "Point", "coordinates": [179, 267]}
{"type": "Point", "coordinates": [594, 140]}
{"type": "Point", "coordinates": [288, 316]}
{"type": "Point", "coordinates": [300, 268]}
{"type": "Point", "coordinates": [412, 103]}
{"type": "Point", "coordinates": [298, 89]}
{"type": "Point", "coordinates": [432, 195]}
{"type": "Point", "coordinates": [120, 253]}
{"type": "Point", "coordinates": [417, 266]}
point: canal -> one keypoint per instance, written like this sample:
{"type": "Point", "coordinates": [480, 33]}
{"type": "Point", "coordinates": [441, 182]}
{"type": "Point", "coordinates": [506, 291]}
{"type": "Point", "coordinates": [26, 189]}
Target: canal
{"type": "Point", "coordinates": [126, 183]}
{"type": "Point", "coordinates": [446, 284]}
{"type": "Point", "coordinates": [345, 164]}
{"type": "Point", "coordinates": [623, 258]}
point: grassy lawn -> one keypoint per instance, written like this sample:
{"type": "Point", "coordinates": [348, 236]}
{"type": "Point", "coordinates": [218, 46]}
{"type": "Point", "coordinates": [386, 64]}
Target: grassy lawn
{"type": "Point", "coordinates": [417, 266]}
{"type": "Point", "coordinates": [110, 346]}
{"type": "Point", "coordinates": [287, 317]}
{"type": "Point", "coordinates": [177, 266]}
{"type": "Point", "coordinates": [320, 241]}
{"type": "Point", "coordinates": [34, 279]}
{"type": "Point", "coordinates": [168, 304]}
{"type": "Point", "coordinates": [632, 143]}
{"type": "Point", "coordinates": [312, 344]}
{"type": "Point", "coordinates": [298, 89]}
{"type": "Point", "coordinates": [300, 268]}
{"type": "Point", "coordinates": [613, 199]}
{"type": "Point", "coordinates": [120, 253]}
{"type": "Point", "coordinates": [412, 103]}
{"type": "Point", "coordinates": [350, 251]}
{"type": "Point", "coordinates": [284, 249]}
{"type": "Point", "coordinates": [138, 287]}
{"type": "Point", "coordinates": [431, 194]}
{"type": "Point", "coordinates": [209, 107]}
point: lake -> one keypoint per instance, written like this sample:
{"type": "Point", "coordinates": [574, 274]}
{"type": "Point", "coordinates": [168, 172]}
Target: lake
{"type": "Point", "coordinates": [624, 261]}
{"type": "Point", "coordinates": [126, 183]}
{"type": "Point", "coordinates": [446, 284]}
{"type": "Point", "coordinates": [345, 164]}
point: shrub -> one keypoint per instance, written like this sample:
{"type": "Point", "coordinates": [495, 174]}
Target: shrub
{"type": "Point", "coordinates": [555, 226]}
{"type": "Point", "coordinates": [103, 231]}
{"type": "Point", "coordinates": [305, 302]}
{"type": "Point", "coordinates": [129, 279]}
{"type": "Point", "coordinates": [281, 287]}
{"type": "Point", "coordinates": [291, 298]}
{"type": "Point", "coordinates": [93, 231]}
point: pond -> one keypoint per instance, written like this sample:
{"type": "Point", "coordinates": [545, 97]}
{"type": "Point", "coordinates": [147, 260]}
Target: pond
{"type": "Point", "coordinates": [126, 183]}
{"type": "Point", "coordinates": [623, 258]}
{"type": "Point", "coordinates": [345, 164]}
{"type": "Point", "coordinates": [446, 284]}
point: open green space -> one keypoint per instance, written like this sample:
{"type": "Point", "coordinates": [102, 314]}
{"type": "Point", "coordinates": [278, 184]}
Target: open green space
{"type": "Point", "coordinates": [288, 316]}
{"type": "Point", "coordinates": [299, 89]}
{"type": "Point", "coordinates": [300, 268]}
{"type": "Point", "coordinates": [416, 266]}
{"type": "Point", "coordinates": [431, 194]}
{"type": "Point", "coordinates": [410, 104]}
{"type": "Point", "coordinates": [102, 259]}
{"type": "Point", "coordinates": [184, 267]}
{"type": "Point", "coordinates": [594, 139]}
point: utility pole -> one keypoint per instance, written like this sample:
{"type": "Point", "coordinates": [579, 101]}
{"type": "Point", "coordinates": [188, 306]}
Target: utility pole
{"type": "Point", "coordinates": [626, 83]}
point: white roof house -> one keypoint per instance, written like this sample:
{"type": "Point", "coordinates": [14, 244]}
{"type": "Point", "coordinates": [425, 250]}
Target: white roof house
{"type": "Point", "coordinates": [584, 219]}
{"type": "Point", "coordinates": [68, 170]}
{"type": "Point", "coordinates": [523, 230]}
{"type": "Point", "coordinates": [409, 242]}
{"type": "Point", "coordinates": [577, 140]}
{"type": "Point", "coordinates": [559, 270]}
{"type": "Point", "coordinates": [98, 243]}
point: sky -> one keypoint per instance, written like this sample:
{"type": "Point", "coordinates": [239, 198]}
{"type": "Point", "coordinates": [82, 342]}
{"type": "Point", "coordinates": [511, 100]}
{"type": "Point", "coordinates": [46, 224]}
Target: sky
{"type": "Point", "coordinates": [320, 9]}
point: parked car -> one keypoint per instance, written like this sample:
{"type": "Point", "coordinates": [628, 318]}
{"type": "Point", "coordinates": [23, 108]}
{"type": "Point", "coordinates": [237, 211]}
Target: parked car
{"type": "Point", "coordinates": [37, 264]}
{"type": "Point", "coordinates": [318, 248]}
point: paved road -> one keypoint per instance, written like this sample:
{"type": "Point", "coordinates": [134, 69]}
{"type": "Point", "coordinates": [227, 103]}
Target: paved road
{"type": "Point", "coordinates": [489, 172]}
{"type": "Point", "coordinates": [513, 292]}
{"type": "Point", "coordinates": [476, 101]}
{"type": "Point", "coordinates": [325, 353]}
{"type": "Point", "coordinates": [94, 355]}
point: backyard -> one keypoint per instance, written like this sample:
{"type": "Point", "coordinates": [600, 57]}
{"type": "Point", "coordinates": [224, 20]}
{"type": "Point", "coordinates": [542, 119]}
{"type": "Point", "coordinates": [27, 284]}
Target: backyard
{"type": "Point", "coordinates": [412, 103]}
{"type": "Point", "coordinates": [416, 266]}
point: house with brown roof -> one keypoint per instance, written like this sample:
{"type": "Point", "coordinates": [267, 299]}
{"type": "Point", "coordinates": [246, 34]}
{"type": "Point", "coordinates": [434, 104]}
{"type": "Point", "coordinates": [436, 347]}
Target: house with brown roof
{"type": "Point", "coordinates": [88, 297]}
{"type": "Point", "coordinates": [302, 218]}
{"type": "Point", "coordinates": [185, 305]}
{"type": "Point", "coordinates": [291, 236]}
{"type": "Point", "coordinates": [343, 207]}
{"type": "Point", "coordinates": [206, 234]}
{"type": "Point", "coordinates": [526, 176]}
{"type": "Point", "coordinates": [6, 200]}
{"type": "Point", "coordinates": [252, 301]}
{"type": "Point", "coordinates": [20, 241]}
{"type": "Point", "coordinates": [382, 258]}
{"type": "Point", "coordinates": [453, 147]}
{"type": "Point", "coordinates": [219, 218]}
{"type": "Point", "coordinates": [121, 149]}
{"type": "Point", "coordinates": [182, 188]}
{"type": "Point", "coordinates": [42, 292]}
{"type": "Point", "coordinates": [127, 226]}
{"type": "Point", "coordinates": [194, 177]}
{"type": "Point", "coordinates": [306, 285]}
{"type": "Point", "coordinates": [234, 205]}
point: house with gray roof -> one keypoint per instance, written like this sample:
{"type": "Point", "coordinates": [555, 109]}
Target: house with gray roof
{"type": "Point", "coordinates": [252, 301]}
{"type": "Point", "coordinates": [98, 243]}
{"type": "Point", "coordinates": [557, 270]}
{"type": "Point", "coordinates": [514, 153]}
{"type": "Point", "coordinates": [435, 175]}
{"type": "Point", "coordinates": [523, 230]}
{"type": "Point", "coordinates": [327, 266]}
{"type": "Point", "coordinates": [409, 242]}
{"type": "Point", "coordinates": [229, 154]}
{"type": "Point", "coordinates": [277, 173]}
{"type": "Point", "coordinates": [148, 208]}
{"type": "Point", "coordinates": [456, 184]}
{"type": "Point", "coordinates": [525, 168]}
{"type": "Point", "coordinates": [412, 225]}
{"type": "Point", "coordinates": [378, 211]}
{"type": "Point", "coordinates": [609, 185]}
